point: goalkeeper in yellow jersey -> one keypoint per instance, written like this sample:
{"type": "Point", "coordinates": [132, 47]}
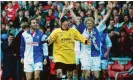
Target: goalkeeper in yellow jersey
{"type": "Point", "coordinates": [63, 48]}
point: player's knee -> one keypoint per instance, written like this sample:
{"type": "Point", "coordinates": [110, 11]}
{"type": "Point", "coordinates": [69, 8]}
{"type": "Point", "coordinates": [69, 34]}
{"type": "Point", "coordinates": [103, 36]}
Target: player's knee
{"type": "Point", "coordinates": [75, 73]}
{"type": "Point", "coordinates": [69, 74]}
{"type": "Point", "coordinates": [36, 77]}
{"type": "Point", "coordinates": [104, 74]}
{"type": "Point", "coordinates": [96, 74]}
{"type": "Point", "coordinates": [29, 78]}
{"type": "Point", "coordinates": [87, 75]}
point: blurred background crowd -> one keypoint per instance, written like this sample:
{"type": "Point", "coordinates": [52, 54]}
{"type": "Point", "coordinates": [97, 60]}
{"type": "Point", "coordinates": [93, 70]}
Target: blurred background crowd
{"type": "Point", "coordinates": [119, 26]}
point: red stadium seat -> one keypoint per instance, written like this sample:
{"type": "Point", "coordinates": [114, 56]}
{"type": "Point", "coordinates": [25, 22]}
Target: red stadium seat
{"type": "Point", "coordinates": [128, 75]}
{"type": "Point", "coordinates": [125, 73]}
{"type": "Point", "coordinates": [117, 67]}
{"type": "Point", "coordinates": [109, 67]}
{"type": "Point", "coordinates": [114, 68]}
{"type": "Point", "coordinates": [127, 66]}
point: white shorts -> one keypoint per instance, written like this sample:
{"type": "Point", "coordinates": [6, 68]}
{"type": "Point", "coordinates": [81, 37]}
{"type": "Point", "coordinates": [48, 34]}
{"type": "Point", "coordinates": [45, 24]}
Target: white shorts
{"type": "Point", "coordinates": [77, 57]}
{"type": "Point", "coordinates": [33, 67]}
{"type": "Point", "coordinates": [104, 64]}
{"type": "Point", "coordinates": [90, 63]}
{"type": "Point", "coordinates": [96, 66]}
{"type": "Point", "coordinates": [85, 60]}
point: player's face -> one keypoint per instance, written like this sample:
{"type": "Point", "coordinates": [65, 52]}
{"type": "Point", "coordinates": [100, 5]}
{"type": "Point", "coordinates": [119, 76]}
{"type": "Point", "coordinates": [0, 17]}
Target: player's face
{"type": "Point", "coordinates": [89, 24]}
{"type": "Point", "coordinates": [66, 23]}
{"type": "Point", "coordinates": [34, 24]}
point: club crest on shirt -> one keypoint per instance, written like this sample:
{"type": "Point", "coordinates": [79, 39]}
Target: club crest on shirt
{"type": "Point", "coordinates": [27, 37]}
{"type": "Point", "coordinates": [61, 34]}
{"type": "Point", "coordinates": [69, 34]}
{"type": "Point", "coordinates": [37, 37]}
{"type": "Point", "coordinates": [94, 32]}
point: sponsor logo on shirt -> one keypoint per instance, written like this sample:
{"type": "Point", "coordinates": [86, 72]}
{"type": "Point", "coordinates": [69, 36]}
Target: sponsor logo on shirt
{"type": "Point", "coordinates": [27, 37]}
{"type": "Point", "coordinates": [32, 43]}
{"type": "Point", "coordinates": [66, 40]}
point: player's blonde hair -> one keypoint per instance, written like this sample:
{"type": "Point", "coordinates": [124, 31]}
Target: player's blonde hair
{"type": "Point", "coordinates": [89, 19]}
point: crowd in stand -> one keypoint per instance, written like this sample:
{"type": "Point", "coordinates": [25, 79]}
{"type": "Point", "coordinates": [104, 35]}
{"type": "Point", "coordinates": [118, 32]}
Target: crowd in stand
{"type": "Point", "coordinates": [16, 16]}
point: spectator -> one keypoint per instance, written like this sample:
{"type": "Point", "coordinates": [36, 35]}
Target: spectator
{"type": "Point", "coordinates": [16, 48]}
{"type": "Point", "coordinates": [115, 12]}
{"type": "Point", "coordinates": [124, 43]}
{"type": "Point", "coordinates": [130, 4]}
{"type": "Point", "coordinates": [27, 15]}
{"type": "Point", "coordinates": [4, 18]}
{"type": "Point", "coordinates": [130, 30]}
{"type": "Point", "coordinates": [48, 6]}
{"type": "Point", "coordinates": [89, 13]}
{"type": "Point", "coordinates": [31, 8]}
{"type": "Point", "coordinates": [131, 14]}
{"type": "Point", "coordinates": [48, 23]}
{"type": "Point", "coordinates": [11, 12]}
{"type": "Point", "coordinates": [126, 23]}
{"type": "Point", "coordinates": [10, 28]}
{"type": "Point", "coordinates": [9, 59]}
{"type": "Point", "coordinates": [102, 8]}
{"type": "Point", "coordinates": [117, 23]}
{"type": "Point", "coordinates": [3, 28]}
{"type": "Point", "coordinates": [114, 35]}
{"type": "Point", "coordinates": [15, 4]}
{"type": "Point", "coordinates": [24, 5]}
{"type": "Point", "coordinates": [19, 19]}
{"type": "Point", "coordinates": [112, 26]}
{"type": "Point", "coordinates": [124, 9]}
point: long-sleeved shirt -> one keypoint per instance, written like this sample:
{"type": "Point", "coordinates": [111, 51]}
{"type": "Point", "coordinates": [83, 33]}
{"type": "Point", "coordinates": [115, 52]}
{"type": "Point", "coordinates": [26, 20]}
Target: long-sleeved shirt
{"type": "Point", "coordinates": [64, 44]}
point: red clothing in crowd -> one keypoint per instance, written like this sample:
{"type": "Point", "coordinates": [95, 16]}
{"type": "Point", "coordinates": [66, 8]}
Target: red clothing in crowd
{"type": "Point", "coordinates": [47, 7]}
{"type": "Point", "coordinates": [16, 6]}
{"type": "Point", "coordinates": [129, 30]}
{"type": "Point", "coordinates": [52, 17]}
{"type": "Point", "coordinates": [90, 2]}
{"type": "Point", "coordinates": [11, 14]}
{"type": "Point", "coordinates": [4, 20]}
